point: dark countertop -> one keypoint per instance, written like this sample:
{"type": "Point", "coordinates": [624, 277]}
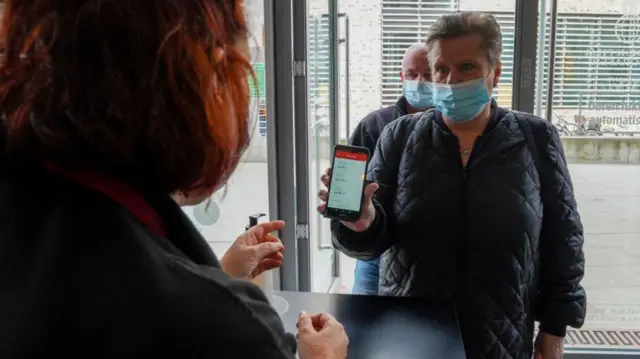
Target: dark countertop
{"type": "Point", "coordinates": [385, 327]}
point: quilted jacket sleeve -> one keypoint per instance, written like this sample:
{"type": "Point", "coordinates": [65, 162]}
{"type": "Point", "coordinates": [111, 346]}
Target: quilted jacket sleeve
{"type": "Point", "coordinates": [383, 169]}
{"type": "Point", "coordinates": [562, 299]}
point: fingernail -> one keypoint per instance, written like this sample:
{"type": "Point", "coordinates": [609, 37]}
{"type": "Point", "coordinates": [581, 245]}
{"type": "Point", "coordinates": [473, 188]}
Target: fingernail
{"type": "Point", "coordinates": [302, 314]}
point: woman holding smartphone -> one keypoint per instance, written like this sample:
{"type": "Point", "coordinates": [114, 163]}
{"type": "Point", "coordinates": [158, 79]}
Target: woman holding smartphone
{"type": "Point", "coordinates": [478, 205]}
{"type": "Point", "coordinates": [108, 108]}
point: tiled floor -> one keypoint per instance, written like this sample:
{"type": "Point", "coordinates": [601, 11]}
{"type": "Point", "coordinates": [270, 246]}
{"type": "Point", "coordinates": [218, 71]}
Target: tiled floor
{"type": "Point", "coordinates": [609, 202]}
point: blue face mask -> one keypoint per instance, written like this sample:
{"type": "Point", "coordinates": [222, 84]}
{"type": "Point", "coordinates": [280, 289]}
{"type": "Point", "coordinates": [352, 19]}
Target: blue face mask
{"type": "Point", "coordinates": [461, 102]}
{"type": "Point", "coordinates": [418, 94]}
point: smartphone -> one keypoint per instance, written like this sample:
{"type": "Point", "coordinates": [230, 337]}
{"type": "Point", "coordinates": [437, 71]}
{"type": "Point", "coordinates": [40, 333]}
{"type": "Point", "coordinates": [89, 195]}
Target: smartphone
{"type": "Point", "coordinates": [346, 188]}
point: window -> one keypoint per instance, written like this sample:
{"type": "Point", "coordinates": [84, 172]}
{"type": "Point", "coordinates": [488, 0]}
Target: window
{"type": "Point", "coordinates": [596, 67]}
{"type": "Point", "coordinates": [405, 23]}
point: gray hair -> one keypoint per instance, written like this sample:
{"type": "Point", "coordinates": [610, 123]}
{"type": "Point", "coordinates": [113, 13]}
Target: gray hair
{"type": "Point", "coordinates": [416, 46]}
{"type": "Point", "coordinates": [469, 23]}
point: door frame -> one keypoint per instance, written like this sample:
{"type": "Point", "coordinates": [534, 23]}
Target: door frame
{"type": "Point", "coordinates": [287, 107]}
{"type": "Point", "coordinates": [304, 248]}
{"type": "Point", "coordinates": [524, 55]}
{"type": "Point", "coordinates": [280, 130]}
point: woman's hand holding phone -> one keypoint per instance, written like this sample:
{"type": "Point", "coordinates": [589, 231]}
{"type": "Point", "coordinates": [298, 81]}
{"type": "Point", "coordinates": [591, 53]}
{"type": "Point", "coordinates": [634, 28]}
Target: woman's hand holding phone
{"type": "Point", "coordinates": [368, 210]}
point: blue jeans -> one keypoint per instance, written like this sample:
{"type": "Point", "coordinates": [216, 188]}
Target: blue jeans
{"type": "Point", "coordinates": [367, 274]}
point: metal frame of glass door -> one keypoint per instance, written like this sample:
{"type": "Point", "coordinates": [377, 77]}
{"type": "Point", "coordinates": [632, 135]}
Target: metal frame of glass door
{"type": "Point", "coordinates": [303, 169]}
{"type": "Point", "coordinates": [334, 99]}
{"type": "Point", "coordinates": [287, 139]}
{"type": "Point", "coordinates": [280, 132]}
{"type": "Point", "coordinates": [524, 55]}
{"type": "Point", "coordinates": [301, 125]}
{"type": "Point", "coordinates": [301, 115]}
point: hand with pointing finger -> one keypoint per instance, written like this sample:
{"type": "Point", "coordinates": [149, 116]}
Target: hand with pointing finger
{"type": "Point", "coordinates": [254, 252]}
{"type": "Point", "coordinates": [368, 210]}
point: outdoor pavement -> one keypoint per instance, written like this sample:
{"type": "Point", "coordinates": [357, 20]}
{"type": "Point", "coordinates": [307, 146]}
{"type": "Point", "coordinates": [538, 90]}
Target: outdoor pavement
{"type": "Point", "coordinates": [609, 202]}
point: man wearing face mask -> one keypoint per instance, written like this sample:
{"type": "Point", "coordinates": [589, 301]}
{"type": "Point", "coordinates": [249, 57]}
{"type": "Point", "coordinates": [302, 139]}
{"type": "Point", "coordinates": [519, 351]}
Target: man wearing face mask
{"type": "Point", "coordinates": [416, 97]}
{"type": "Point", "coordinates": [478, 205]}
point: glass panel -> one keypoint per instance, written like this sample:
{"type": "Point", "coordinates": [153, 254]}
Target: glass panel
{"type": "Point", "coordinates": [596, 107]}
{"type": "Point", "coordinates": [406, 22]}
{"type": "Point", "coordinates": [344, 122]}
{"type": "Point", "coordinates": [320, 127]}
{"type": "Point", "coordinates": [247, 191]}
{"type": "Point", "coordinates": [380, 32]}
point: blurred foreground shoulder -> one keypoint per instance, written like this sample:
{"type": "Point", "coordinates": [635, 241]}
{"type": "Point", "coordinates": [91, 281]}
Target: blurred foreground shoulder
{"type": "Point", "coordinates": [245, 311]}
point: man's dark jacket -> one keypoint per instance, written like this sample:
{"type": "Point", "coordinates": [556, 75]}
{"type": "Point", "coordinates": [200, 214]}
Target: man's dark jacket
{"type": "Point", "coordinates": [81, 277]}
{"type": "Point", "coordinates": [500, 238]}
{"type": "Point", "coordinates": [368, 131]}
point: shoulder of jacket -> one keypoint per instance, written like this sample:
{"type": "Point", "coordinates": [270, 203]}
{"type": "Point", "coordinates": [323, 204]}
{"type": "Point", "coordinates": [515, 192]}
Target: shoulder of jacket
{"type": "Point", "coordinates": [537, 123]}
{"type": "Point", "coordinates": [379, 113]}
{"type": "Point", "coordinates": [408, 123]}
{"type": "Point", "coordinates": [245, 304]}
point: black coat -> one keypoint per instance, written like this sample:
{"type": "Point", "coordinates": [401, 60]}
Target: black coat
{"type": "Point", "coordinates": [81, 277]}
{"type": "Point", "coordinates": [483, 235]}
{"type": "Point", "coordinates": [368, 131]}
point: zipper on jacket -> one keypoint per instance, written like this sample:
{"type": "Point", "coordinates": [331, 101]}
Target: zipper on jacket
{"type": "Point", "coordinates": [465, 235]}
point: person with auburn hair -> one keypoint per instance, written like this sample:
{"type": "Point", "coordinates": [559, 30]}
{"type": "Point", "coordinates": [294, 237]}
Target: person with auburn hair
{"type": "Point", "coordinates": [109, 108]}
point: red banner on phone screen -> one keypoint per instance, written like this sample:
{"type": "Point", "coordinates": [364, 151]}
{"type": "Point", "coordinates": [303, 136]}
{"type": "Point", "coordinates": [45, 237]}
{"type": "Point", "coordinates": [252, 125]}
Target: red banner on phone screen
{"type": "Point", "coordinates": [356, 156]}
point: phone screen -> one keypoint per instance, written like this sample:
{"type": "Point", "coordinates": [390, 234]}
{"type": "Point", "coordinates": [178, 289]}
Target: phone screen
{"type": "Point", "coordinates": [347, 181]}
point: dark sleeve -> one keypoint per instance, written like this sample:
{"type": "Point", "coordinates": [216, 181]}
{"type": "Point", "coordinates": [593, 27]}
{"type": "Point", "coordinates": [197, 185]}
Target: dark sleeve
{"type": "Point", "coordinates": [383, 169]}
{"type": "Point", "coordinates": [250, 313]}
{"type": "Point", "coordinates": [562, 299]}
{"type": "Point", "coordinates": [284, 344]}
{"type": "Point", "coordinates": [362, 136]}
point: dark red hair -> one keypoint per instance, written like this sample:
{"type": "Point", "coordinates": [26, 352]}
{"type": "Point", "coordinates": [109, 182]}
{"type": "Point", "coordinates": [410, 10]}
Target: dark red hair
{"type": "Point", "coordinates": [155, 90]}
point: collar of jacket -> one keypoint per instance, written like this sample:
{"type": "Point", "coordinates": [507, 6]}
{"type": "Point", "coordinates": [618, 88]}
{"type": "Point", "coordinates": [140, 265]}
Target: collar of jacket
{"type": "Point", "coordinates": [402, 106]}
{"type": "Point", "coordinates": [119, 191]}
{"type": "Point", "coordinates": [501, 132]}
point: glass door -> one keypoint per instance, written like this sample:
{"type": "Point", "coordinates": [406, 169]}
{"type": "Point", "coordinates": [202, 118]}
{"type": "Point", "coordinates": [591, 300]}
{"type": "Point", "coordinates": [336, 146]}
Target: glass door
{"type": "Point", "coordinates": [323, 131]}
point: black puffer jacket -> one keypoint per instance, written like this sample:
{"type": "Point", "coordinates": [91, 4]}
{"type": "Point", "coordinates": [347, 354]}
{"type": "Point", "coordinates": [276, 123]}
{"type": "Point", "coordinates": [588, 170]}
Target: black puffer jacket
{"type": "Point", "coordinates": [488, 236]}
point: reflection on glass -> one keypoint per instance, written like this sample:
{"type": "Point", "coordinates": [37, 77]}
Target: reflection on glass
{"type": "Point", "coordinates": [597, 72]}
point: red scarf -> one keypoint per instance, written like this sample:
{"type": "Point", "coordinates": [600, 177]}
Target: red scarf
{"type": "Point", "coordinates": [119, 192]}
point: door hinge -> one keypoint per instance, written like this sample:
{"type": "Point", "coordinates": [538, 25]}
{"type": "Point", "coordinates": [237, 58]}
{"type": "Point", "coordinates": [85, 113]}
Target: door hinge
{"type": "Point", "coordinates": [302, 231]}
{"type": "Point", "coordinates": [299, 68]}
